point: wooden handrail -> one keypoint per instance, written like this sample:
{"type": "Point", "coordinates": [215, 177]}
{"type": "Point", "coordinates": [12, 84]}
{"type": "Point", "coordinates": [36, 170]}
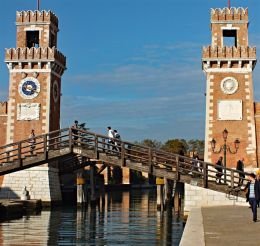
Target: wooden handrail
{"type": "Point", "coordinates": [154, 158]}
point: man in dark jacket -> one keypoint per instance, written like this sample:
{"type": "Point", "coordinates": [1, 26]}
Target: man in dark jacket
{"type": "Point", "coordinates": [219, 167]}
{"type": "Point", "coordinates": [240, 168]}
{"type": "Point", "coordinates": [253, 194]}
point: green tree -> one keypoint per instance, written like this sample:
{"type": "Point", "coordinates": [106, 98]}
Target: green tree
{"type": "Point", "coordinates": [196, 145]}
{"type": "Point", "coordinates": [177, 146]}
{"type": "Point", "coordinates": [151, 143]}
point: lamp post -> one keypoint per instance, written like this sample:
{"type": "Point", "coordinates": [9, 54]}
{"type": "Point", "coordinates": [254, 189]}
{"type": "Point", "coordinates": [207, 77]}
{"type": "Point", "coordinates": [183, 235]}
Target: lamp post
{"type": "Point", "coordinates": [225, 148]}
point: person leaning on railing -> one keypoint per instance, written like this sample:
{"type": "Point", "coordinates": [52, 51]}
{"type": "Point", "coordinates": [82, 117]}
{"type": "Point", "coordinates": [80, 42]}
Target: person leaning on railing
{"type": "Point", "coordinates": [74, 129]}
{"type": "Point", "coordinates": [32, 141]}
{"type": "Point", "coordinates": [240, 168]}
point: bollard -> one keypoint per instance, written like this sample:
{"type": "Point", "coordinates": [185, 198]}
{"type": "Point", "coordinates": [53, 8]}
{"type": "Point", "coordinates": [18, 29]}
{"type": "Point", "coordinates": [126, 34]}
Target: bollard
{"type": "Point", "coordinates": [80, 188]}
{"type": "Point", "coordinates": [159, 184]}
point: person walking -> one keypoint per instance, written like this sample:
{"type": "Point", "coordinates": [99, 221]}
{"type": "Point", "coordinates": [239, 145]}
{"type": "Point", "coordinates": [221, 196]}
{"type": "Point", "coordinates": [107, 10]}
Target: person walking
{"type": "Point", "coordinates": [111, 135]}
{"type": "Point", "coordinates": [74, 129]}
{"type": "Point", "coordinates": [258, 180]}
{"type": "Point", "coordinates": [117, 140]}
{"type": "Point", "coordinates": [240, 168]}
{"type": "Point", "coordinates": [253, 194]}
{"type": "Point", "coordinates": [219, 168]}
{"type": "Point", "coordinates": [32, 141]}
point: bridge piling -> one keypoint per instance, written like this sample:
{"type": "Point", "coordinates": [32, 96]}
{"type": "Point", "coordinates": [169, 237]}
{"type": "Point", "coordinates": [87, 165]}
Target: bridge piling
{"type": "Point", "coordinates": [101, 187]}
{"type": "Point", "coordinates": [168, 187]}
{"type": "Point", "coordinates": [160, 193]}
{"type": "Point", "coordinates": [81, 196]}
{"type": "Point", "coordinates": [92, 185]}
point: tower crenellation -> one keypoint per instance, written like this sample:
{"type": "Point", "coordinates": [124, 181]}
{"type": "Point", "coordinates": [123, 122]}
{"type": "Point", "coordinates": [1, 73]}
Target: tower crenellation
{"type": "Point", "coordinates": [229, 52]}
{"type": "Point", "coordinates": [36, 16]}
{"type": "Point", "coordinates": [229, 14]}
{"type": "Point", "coordinates": [40, 54]}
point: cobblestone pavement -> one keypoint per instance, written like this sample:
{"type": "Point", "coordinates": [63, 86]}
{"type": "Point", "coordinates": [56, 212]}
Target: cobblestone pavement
{"type": "Point", "coordinates": [230, 226]}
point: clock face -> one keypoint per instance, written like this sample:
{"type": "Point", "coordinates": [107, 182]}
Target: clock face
{"type": "Point", "coordinates": [29, 88]}
{"type": "Point", "coordinates": [229, 85]}
{"type": "Point", "coordinates": [55, 91]}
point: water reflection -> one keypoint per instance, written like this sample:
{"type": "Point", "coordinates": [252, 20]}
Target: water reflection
{"type": "Point", "coordinates": [127, 218]}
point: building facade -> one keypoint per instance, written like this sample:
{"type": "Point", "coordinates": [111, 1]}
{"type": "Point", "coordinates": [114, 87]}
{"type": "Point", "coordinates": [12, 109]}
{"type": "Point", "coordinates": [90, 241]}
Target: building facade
{"type": "Point", "coordinates": [35, 70]}
{"type": "Point", "coordinates": [228, 64]}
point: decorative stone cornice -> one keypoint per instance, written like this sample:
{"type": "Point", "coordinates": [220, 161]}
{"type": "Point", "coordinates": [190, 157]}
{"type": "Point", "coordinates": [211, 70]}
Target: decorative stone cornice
{"type": "Point", "coordinates": [231, 52]}
{"type": "Point", "coordinates": [35, 55]}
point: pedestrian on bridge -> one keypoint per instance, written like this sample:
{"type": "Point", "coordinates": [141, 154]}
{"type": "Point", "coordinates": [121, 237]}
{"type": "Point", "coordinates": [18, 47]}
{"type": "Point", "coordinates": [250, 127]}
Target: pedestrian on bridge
{"type": "Point", "coordinates": [32, 141]}
{"type": "Point", "coordinates": [74, 130]}
{"type": "Point", "coordinates": [111, 136]}
{"type": "Point", "coordinates": [219, 168]}
{"type": "Point", "coordinates": [240, 168]}
{"type": "Point", "coordinates": [117, 140]}
{"type": "Point", "coordinates": [253, 194]}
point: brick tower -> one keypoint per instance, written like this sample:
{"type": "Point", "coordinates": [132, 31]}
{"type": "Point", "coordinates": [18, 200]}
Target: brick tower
{"type": "Point", "coordinates": [36, 68]}
{"type": "Point", "coordinates": [228, 64]}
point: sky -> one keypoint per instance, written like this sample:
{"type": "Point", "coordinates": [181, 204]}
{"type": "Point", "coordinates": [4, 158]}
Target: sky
{"type": "Point", "coordinates": [134, 65]}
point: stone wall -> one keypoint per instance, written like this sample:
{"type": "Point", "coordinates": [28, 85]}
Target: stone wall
{"type": "Point", "coordinates": [41, 182]}
{"type": "Point", "coordinates": [196, 196]}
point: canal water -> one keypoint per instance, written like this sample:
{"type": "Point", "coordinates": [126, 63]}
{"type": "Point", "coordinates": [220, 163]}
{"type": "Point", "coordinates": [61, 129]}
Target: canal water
{"type": "Point", "coordinates": [127, 218]}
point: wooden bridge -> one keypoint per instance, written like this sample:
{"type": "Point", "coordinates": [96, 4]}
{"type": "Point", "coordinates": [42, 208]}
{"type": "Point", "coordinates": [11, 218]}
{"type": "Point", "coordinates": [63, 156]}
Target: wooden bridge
{"type": "Point", "coordinates": [72, 150]}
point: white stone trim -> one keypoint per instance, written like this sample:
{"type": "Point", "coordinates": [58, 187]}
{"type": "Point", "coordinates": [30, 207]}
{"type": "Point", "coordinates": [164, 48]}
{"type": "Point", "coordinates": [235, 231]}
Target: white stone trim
{"type": "Point", "coordinates": [48, 102]}
{"type": "Point", "coordinates": [35, 70]}
{"type": "Point", "coordinates": [32, 70]}
{"type": "Point", "coordinates": [209, 97]}
{"type": "Point", "coordinates": [228, 70]}
{"type": "Point", "coordinates": [10, 120]}
{"type": "Point", "coordinates": [230, 21]}
{"type": "Point", "coordinates": [34, 28]}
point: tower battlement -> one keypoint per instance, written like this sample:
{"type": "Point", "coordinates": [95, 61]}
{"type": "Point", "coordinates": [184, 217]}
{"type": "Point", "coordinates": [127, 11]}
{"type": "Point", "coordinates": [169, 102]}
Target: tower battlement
{"type": "Point", "coordinates": [232, 14]}
{"type": "Point", "coordinates": [36, 16]}
{"type": "Point", "coordinates": [34, 54]}
{"type": "Point", "coordinates": [231, 52]}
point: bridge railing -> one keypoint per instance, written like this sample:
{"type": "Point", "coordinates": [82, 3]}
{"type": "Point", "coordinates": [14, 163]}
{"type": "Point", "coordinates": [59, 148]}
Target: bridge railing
{"type": "Point", "coordinates": [154, 158]}
{"type": "Point", "coordinates": [69, 138]}
{"type": "Point", "coordinates": [32, 146]}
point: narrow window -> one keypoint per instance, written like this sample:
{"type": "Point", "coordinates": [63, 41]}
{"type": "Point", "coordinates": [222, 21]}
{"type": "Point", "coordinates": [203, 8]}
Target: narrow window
{"type": "Point", "coordinates": [53, 41]}
{"type": "Point", "coordinates": [32, 38]}
{"type": "Point", "coordinates": [230, 38]}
